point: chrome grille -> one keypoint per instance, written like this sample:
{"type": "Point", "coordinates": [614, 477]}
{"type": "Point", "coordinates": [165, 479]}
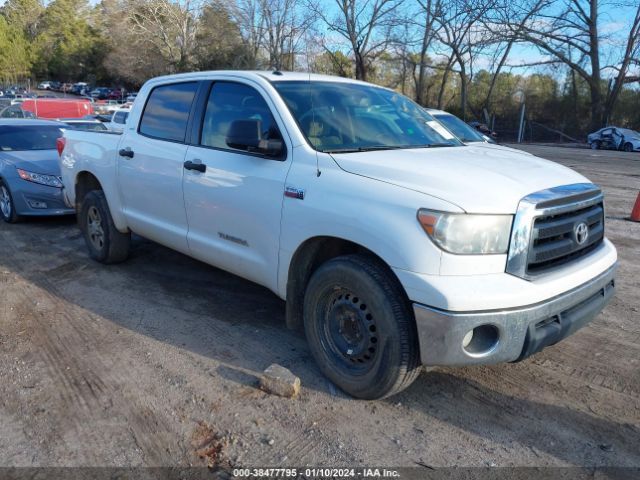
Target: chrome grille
{"type": "Point", "coordinates": [554, 227]}
{"type": "Point", "coordinates": [554, 238]}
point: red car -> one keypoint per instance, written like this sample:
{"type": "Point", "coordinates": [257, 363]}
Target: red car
{"type": "Point", "coordinates": [117, 94]}
{"type": "Point", "coordinates": [58, 107]}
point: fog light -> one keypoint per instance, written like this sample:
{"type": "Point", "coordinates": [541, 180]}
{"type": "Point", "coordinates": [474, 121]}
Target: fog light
{"type": "Point", "coordinates": [467, 339]}
{"type": "Point", "coordinates": [481, 341]}
{"type": "Point", "coordinates": [37, 204]}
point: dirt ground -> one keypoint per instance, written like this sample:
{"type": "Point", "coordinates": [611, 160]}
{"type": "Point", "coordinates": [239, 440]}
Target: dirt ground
{"type": "Point", "coordinates": [154, 363]}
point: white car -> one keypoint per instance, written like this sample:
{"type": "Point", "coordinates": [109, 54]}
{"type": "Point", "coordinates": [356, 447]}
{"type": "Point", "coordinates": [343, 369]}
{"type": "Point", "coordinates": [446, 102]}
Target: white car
{"type": "Point", "coordinates": [118, 119]}
{"type": "Point", "coordinates": [44, 86]}
{"type": "Point", "coordinates": [393, 243]}
{"type": "Point", "coordinates": [466, 133]}
{"type": "Point", "coordinates": [615, 138]}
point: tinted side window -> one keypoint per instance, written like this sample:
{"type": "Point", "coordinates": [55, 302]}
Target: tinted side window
{"type": "Point", "coordinates": [167, 111]}
{"type": "Point", "coordinates": [229, 102]}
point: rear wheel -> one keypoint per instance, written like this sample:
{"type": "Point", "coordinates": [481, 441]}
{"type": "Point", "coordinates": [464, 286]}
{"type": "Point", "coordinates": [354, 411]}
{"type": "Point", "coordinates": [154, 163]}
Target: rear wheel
{"type": "Point", "coordinates": [7, 207]}
{"type": "Point", "coordinates": [595, 145]}
{"type": "Point", "coordinates": [628, 147]}
{"type": "Point", "coordinates": [360, 327]}
{"type": "Point", "coordinates": [105, 242]}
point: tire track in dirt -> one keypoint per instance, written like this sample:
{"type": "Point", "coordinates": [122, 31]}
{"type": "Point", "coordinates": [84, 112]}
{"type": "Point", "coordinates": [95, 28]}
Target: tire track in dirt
{"type": "Point", "coordinates": [84, 389]}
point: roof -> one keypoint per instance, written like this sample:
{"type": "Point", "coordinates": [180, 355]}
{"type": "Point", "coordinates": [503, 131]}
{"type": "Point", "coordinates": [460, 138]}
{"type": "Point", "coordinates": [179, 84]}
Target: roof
{"type": "Point", "coordinates": [270, 75]}
{"type": "Point", "coordinates": [26, 122]}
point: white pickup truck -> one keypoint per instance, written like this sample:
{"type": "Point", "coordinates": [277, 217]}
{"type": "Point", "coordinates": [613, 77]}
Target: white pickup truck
{"type": "Point", "coordinates": [394, 244]}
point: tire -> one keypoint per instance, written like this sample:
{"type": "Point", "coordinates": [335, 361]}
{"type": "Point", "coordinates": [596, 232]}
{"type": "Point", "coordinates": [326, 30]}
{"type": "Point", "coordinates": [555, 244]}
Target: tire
{"type": "Point", "coordinates": [7, 207]}
{"type": "Point", "coordinates": [360, 327]}
{"type": "Point", "coordinates": [628, 147]}
{"type": "Point", "coordinates": [105, 243]}
{"type": "Point", "coordinates": [595, 145]}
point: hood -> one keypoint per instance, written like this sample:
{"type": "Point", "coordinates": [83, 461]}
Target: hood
{"type": "Point", "coordinates": [475, 178]}
{"type": "Point", "coordinates": [37, 161]}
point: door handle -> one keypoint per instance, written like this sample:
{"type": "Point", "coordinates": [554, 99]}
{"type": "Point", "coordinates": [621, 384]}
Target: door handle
{"type": "Point", "coordinates": [200, 167]}
{"type": "Point", "coordinates": [126, 152]}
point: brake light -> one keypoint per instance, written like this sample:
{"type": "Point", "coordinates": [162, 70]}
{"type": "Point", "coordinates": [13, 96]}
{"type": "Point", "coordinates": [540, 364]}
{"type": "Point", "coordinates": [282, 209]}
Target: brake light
{"type": "Point", "coordinates": [60, 144]}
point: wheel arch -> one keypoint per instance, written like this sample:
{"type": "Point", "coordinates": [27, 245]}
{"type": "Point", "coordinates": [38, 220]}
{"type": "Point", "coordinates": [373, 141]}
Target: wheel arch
{"type": "Point", "coordinates": [310, 255]}
{"type": "Point", "coordinates": [85, 182]}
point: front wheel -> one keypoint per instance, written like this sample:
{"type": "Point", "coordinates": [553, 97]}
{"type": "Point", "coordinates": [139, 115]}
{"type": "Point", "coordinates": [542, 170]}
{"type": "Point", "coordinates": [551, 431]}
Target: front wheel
{"type": "Point", "coordinates": [7, 207]}
{"type": "Point", "coordinates": [105, 242]}
{"type": "Point", "coordinates": [595, 145]}
{"type": "Point", "coordinates": [360, 327]}
{"type": "Point", "coordinates": [628, 147]}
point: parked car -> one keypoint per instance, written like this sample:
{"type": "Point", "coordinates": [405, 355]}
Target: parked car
{"type": "Point", "coordinates": [106, 106]}
{"type": "Point", "coordinates": [58, 107]}
{"type": "Point", "coordinates": [615, 138]}
{"type": "Point", "coordinates": [29, 171]}
{"type": "Point", "coordinates": [392, 242]}
{"type": "Point", "coordinates": [117, 94]}
{"type": "Point", "coordinates": [119, 119]}
{"type": "Point", "coordinates": [80, 88]}
{"type": "Point", "coordinates": [44, 85]}
{"type": "Point", "coordinates": [100, 93]}
{"type": "Point", "coordinates": [84, 124]}
{"type": "Point", "coordinates": [484, 129]}
{"type": "Point", "coordinates": [459, 128]}
{"type": "Point", "coordinates": [131, 97]}
{"type": "Point", "coordinates": [15, 111]}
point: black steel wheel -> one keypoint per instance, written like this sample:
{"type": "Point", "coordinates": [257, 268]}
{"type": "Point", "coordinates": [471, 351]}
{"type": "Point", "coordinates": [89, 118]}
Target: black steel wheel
{"type": "Point", "coordinates": [360, 327]}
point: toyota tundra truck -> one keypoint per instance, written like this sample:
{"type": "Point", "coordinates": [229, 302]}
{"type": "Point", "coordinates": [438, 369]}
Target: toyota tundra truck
{"type": "Point", "coordinates": [394, 244]}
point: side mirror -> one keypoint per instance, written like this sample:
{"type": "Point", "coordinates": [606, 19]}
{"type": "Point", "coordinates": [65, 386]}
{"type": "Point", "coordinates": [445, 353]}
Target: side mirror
{"type": "Point", "coordinates": [247, 135]}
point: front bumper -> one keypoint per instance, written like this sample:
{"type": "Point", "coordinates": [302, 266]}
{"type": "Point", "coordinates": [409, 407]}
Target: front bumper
{"type": "Point", "coordinates": [33, 199]}
{"type": "Point", "coordinates": [512, 334]}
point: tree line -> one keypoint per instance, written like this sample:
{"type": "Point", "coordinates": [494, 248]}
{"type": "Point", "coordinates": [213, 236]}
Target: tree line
{"type": "Point", "coordinates": [459, 55]}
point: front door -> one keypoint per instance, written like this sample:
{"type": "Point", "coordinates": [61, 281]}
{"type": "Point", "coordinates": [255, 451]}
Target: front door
{"type": "Point", "coordinates": [234, 206]}
{"type": "Point", "coordinates": [150, 166]}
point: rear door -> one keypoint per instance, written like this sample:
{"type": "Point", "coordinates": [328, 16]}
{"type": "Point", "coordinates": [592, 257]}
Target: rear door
{"type": "Point", "coordinates": [150, 166]}
{"type": "Point", "coordinates": [234, 206]}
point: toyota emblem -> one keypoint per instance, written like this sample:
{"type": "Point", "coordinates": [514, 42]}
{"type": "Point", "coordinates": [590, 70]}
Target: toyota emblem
{"type": "Point", "coordinates": [581, 233]}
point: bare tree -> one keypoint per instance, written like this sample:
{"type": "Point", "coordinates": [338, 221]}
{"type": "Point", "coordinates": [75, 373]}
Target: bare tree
{"type": "Point", "coordinates": [365, 24]}
{"type": "Point", "coordinates": [284, 26]}
{"type": "Point", "coordinates": [506, 23]}
{"type": "Point", "coordinates": [464, 35]}
{"type": "Point", "coordinates": [427, 15]}
{"type": "Point", "coordinates": [170, 26]}
{"type": "Point", "coordinates": [569, 32]}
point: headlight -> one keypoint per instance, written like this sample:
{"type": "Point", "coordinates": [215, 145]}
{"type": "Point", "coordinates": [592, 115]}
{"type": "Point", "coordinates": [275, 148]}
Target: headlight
{"type": "Point", "coordinates": [467, 234]}
{"type": "Point", "coordinates": [48, 180]}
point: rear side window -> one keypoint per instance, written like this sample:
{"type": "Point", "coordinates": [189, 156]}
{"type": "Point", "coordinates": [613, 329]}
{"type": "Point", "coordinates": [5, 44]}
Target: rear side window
{"type": "Point", "coordinates": [167, 111]}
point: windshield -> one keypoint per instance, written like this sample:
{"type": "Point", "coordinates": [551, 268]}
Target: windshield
{"type": "Point", "coordinates": [32, 137]}
{"type": "Point", "coordinates": [460, 129]}
{"type": "Point", "coordinates": [350, 117]}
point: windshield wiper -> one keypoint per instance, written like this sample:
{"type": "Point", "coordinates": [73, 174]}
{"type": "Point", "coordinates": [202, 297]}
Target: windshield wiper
{"type": "Point", "coordinates": [371, 148]}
